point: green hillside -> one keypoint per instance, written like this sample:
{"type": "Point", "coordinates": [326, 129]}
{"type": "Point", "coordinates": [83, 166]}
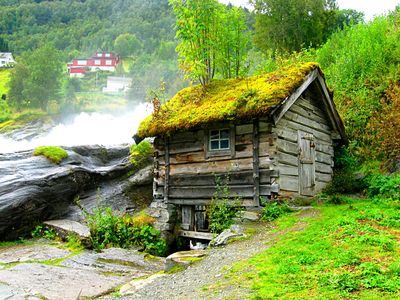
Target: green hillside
{"type": "Point", "coordinates": [4, 79]}
{"type": "Point", "coordinates": [81, 28]}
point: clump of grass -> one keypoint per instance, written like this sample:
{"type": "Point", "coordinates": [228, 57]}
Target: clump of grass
{"type": "Point", "coordinates": [54, 154]}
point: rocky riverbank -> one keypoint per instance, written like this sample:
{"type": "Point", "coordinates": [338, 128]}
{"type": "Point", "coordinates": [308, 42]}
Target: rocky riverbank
{"type": "Point", "coordinates": [32, 189]}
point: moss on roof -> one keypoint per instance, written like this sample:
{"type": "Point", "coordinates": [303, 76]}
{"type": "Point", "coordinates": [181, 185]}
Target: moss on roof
{"type": "Point", "coordinates": [223, 100]}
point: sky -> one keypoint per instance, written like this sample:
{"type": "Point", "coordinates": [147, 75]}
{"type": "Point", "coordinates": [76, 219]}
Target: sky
{"type": "Point", "coordinates": [370, 8]}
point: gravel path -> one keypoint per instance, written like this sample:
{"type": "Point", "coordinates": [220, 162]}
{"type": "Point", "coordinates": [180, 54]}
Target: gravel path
{"type": "Point", "coordinates": [192, 283]}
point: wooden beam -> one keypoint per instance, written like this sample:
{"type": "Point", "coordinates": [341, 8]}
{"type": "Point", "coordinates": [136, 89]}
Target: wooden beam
{"type": "Point", "coordinates": [280, 110]}
{"type": "Point", "coordinates": [256, 163]}
{"type": "Point", "coordinates": [167, 170]}
{"type": "Point", "coordinates": [196, 235]}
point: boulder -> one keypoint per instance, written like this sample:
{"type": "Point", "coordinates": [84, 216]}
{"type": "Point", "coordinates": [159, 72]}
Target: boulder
{"type": "Point", "coordinates": [183, 259]}
{"type": "Point", "coordinates": [64, 228]}
{"type": "Point", "coordinates": [223, 238]}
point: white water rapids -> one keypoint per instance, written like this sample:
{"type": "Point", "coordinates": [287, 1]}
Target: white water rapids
{"type": "Point", "coordinates": [85, 129]}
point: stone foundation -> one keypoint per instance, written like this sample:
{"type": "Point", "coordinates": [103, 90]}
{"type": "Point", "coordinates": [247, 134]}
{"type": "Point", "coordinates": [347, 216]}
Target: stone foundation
{"type": "Point", "coordinates": [166, 216]}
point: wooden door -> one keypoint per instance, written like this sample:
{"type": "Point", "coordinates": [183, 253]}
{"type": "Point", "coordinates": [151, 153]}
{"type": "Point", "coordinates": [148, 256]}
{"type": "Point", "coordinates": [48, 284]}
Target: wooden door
{"type": "Point", "coordinates": [306, 163]}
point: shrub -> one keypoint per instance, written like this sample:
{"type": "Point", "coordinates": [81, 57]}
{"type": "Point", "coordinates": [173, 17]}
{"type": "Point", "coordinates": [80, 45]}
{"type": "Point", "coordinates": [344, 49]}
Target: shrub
{"type": "Point", "coordinates": [108, 229]}
{"type": "Point", "coordinates": [384, 186]}
{"type": "Point", "coordinates": [274, 210]}
{"type": "Point", "coordinates": [54, 154]}
{"type": "Point", "coordinates": [41, 231]}
{"type": "Point", "coordinates": [345, 180]}
{"type": "Point", "coordinates": [222, 210]}
{"type": "Point", "coordinates": [141, 153]}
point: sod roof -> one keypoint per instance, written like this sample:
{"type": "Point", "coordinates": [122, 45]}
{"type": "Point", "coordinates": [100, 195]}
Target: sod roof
{"type": "Point", "coordinates": [224, 100]}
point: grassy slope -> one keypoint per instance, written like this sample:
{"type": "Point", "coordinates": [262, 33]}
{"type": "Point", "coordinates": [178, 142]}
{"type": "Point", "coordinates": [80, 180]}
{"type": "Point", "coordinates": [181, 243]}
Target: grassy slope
{"type": "Point", "coordinates": [4, 79]}
{"type": "Point", "coordinates": [350, 251]}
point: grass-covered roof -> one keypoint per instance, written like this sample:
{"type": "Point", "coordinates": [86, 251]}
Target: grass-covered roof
{"type": "Point", "coordinates": [223, 100]}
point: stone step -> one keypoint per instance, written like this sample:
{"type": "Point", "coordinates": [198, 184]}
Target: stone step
{"type": "Point", "coordinates": [65, 227]}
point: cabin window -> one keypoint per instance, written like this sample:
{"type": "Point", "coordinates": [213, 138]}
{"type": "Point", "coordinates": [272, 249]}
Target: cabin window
{"type": "Point", "coordinates": [108, 54]}
{"type": "Point", "coordinates": [219, 139]}
{"type": "Point", "coordinates": [82, 62]}
{"type": "Point", "coordinates": [108, 62]}
{"type": "Point", "coordinates": [97, 62]}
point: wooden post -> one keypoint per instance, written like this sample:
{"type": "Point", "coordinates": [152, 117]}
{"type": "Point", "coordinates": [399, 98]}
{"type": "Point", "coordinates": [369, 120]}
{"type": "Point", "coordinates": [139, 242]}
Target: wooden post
{"type": "Point", "coordinates": [256, 163]}
{"type": "Point", "coordinates": [167, 168]}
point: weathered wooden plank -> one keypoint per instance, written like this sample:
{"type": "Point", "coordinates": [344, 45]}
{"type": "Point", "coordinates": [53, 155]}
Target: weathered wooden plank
{"type": "Point", "coordinates": [182, 148]}
{"type": "Point", "coordinates": [326, 148]}
{"type": "Point", "coordinates": [323, 177]}
{"type": "Point", "coordinates": [288, 170]}
{"type": "Point", "coordinates": [306, 125]}
{"type": "Point", "coordinates": [244, 129]}
{"type": "Point", "coordinates": [319, 134]}
{"type": "Point", "coordinates": [310, 104]}
{"type": "Point", "coordinates": [247, 202]}
{"type": "Point", "coordinates": [309, 113]}
{"type": "Point", "coordinates": [289, 183]}
{"type": "Point", "coordinates": [207, 192]}
{"type": "Point", "coordinates": [247, 139]}
{"type": "Point", "coordinates": [265, 126]}
{"type": "Point", "coordinates": [236, 178]}
{"type": "Point", "coordinates": [309, 122]}
{"type": "Point", "coordinates": [219, 166]}
{"type": "Point", "coordinates": [287, 159]}
{"type": "Point", "coordinates": [286, 133]}
{"type": "Point", "coordinates": [323, 168]}
{"type": "Point", "coordinates": [324, 158]}
{"type": "Point", "coordinates": [196, 235]}
{"type": "Point", "coordinates": [288, 147]}
{"type": "Point", "coordinates": [186, 137]}
{"type": "Point", "coordinates": [241, 151]}
{"type": "Point", "coordinates": [187, 217]}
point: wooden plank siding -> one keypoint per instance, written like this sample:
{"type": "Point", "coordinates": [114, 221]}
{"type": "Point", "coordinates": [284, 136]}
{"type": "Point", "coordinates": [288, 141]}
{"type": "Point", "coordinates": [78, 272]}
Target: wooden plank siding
{"type": "Point", "coordinates": [192, 175]}
{"type": "Point", "coordinates": [304, 115]}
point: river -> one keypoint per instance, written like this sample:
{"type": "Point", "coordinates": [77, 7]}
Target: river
{"type": "Point", "coordinates": [83, 129]}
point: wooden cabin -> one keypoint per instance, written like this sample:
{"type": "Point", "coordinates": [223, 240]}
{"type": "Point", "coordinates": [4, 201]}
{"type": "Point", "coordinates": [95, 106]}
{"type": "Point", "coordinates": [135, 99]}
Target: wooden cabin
{"type": "Point", "coordinates": [266, 135]}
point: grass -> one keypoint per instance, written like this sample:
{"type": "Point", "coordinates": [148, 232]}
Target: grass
{"type": "Point", "coordinates": [350, 251]}
{"type": "Point", "coordinates": [4, 79]}
{"type": "Point", "coordinates": [223, 100]}
{"type": "Point", "coordinates": [54, 154]}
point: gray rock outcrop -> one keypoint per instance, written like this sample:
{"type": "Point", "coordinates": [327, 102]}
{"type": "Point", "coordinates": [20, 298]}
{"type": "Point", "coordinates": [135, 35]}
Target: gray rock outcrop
{"type": "Point", "coordinates": [33, 190]}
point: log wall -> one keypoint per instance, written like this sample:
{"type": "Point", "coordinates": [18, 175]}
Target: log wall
{"type": "Point", "coordinates": [192, 175]}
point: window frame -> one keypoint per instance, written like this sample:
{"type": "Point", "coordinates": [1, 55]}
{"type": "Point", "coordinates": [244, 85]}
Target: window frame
{"type": "Point", "coordinates": [220, 152]}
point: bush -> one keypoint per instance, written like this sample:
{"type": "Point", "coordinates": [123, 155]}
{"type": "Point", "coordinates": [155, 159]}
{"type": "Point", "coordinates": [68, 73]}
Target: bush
{"type": "Point", "coordinates": [384, 186]}
{"type": "Point", "coordinates": [54, 154]}
{"type": "Point", "coordinates": [273, 210]}
{"type": "Point", "coordinates": [41, 231]}
{"type": "Point", "coordinates": [141, 153]}
{"type": "Point", "coordinates": [345, 180]}
{"type": "Point", "coordinates": [110, 230]}
{"type": "Point", "coordinates": [222, 210]}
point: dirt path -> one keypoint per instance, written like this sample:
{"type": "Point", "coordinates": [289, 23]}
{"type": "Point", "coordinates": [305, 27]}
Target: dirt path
{"type": "Point", "coordinates": [192, 282]}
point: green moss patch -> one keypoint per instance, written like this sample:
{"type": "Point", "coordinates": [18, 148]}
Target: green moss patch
{"type": "Point", "coordinates": [222, 100]}
{"type": "Point", "coordinates": [54, 154]}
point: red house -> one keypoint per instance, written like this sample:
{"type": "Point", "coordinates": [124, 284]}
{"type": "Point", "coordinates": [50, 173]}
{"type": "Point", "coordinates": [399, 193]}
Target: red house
{"type": "Point", "coordinates": [101, 61]}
